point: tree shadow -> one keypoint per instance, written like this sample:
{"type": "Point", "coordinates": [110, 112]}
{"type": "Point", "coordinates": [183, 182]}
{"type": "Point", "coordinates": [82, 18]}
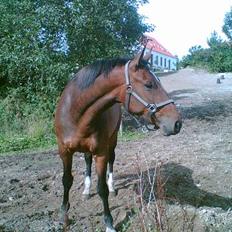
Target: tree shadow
{"type": "Point", "coordinates": [182, 94]}
{"type": "Point", "coordinates": [178, 186]}
{"type": "Point", "coordinates": [208, 110]}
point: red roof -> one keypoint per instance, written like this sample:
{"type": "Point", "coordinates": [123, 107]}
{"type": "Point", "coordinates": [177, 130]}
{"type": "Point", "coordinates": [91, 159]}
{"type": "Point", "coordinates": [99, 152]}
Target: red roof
{"type": "Point", "coordinates": [157, 47]}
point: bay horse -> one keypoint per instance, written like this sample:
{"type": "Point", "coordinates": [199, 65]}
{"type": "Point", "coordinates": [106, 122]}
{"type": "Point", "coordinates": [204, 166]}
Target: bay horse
{"type": "Point", "coordinates": [88, 116]}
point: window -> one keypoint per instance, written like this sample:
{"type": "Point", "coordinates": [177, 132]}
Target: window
{"type": "Point", "coordinates": [157, 60]}
{"type": "Point", "coordinates": [165, 62]}
{"type": "Point", "coordinates": [151, 59]}
{"type": "Point", "coordinates": [161, 61]}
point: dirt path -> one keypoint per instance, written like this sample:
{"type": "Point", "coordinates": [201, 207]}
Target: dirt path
{"type": "Point", "coordinates": [196, 169]}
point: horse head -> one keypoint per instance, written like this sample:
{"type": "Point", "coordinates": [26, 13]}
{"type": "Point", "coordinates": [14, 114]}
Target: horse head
{"type": "Point", "coordinates": [145, 96]}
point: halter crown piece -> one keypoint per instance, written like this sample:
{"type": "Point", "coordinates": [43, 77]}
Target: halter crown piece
{"type": "Point", "coordinates": [152, 107]}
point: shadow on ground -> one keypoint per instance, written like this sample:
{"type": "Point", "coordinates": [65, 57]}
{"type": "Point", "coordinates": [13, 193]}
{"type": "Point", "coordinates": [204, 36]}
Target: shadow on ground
{"type": "Point", "coordinates": [209, 110]}
{"type": "Point", "coordinates": [182, 94]}
{"type": "Point", "coordinates": [178, 185]}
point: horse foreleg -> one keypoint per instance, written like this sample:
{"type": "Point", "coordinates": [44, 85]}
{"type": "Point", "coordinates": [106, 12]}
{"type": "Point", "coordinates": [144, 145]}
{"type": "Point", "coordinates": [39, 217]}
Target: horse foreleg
{"type": "Point", "coordinates": [87, 182]}
{"type": "Point", "coordinates": [67, 183]}
{"type": "Point", "coordinates": [110, 181]}
{"type": "Point", "coordinates": [102, 189]}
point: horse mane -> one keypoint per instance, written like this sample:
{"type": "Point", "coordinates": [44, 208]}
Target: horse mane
{"type": "Point", "coordinates": [86, 76]}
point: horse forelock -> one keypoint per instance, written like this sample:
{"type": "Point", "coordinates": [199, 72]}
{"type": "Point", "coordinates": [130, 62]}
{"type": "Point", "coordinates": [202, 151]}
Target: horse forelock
{"type": "Point", "coordinates": [86, 76]}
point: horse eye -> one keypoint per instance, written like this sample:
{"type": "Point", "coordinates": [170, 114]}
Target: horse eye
{"type": "Point", "coordinates": [148, 85]}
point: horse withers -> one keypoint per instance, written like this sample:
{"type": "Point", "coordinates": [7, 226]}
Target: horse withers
{"type": "Point", "coordinates": [88, 116]}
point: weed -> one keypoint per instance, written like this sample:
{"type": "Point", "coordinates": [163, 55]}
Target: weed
{"type": "Point", "coordinates": [128, 135]}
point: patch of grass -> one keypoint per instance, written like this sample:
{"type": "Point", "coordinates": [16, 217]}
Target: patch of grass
{"type": "Point", "coordinates": [130, 136]}
{"type": "Point", "coordinates": [35, 135]}
{"type": "Point", "coordinates": [24, 142]}
{"type": "Point", "coordinates": [23, 129]}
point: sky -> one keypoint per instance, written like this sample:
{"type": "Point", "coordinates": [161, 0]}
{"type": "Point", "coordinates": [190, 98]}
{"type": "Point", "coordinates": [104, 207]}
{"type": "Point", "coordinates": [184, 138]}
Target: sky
{"type": "Point", "coordinates": [181, 24]}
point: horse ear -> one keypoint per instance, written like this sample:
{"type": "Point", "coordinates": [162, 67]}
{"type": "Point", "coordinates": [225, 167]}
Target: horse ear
{"type": "Point", "coordinates": [148, 55]}
{"type": "Point", "coordinates": [137, 59]}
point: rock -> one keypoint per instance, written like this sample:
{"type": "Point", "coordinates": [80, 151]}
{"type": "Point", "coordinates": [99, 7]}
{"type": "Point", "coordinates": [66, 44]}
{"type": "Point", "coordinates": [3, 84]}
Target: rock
{"type": "Point", "coordinates": [218, 81]}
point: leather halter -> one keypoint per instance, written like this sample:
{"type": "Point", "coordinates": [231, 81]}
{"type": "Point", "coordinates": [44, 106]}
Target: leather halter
{"type": "Point", "coordinates": [152, 107]}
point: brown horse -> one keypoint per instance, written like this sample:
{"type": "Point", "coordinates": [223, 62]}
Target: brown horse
{"type": "Point", "coordinates": [89, 112]}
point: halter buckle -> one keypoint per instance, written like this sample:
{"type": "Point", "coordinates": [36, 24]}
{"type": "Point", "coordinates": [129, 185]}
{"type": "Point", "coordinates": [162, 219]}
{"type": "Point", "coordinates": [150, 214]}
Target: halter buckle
{"type": "Point", "coordinates": [129, 89]}
{"type": "Point", "coordinates": [152, 108]}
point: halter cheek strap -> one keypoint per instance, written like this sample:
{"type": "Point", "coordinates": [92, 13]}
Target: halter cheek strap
{"type": "Point", "coordinates": [152, 107]}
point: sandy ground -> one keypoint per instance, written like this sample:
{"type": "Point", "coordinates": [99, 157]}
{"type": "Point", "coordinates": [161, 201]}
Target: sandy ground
{"type": "Point", "coordinates": [195, 172]}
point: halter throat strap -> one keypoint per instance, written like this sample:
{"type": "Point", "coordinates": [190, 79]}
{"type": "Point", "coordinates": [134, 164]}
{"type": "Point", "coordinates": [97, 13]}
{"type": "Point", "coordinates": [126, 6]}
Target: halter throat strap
{"type": "Point", "coordinates": [152, 107]}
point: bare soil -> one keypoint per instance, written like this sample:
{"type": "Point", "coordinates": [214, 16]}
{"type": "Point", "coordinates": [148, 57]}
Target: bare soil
{"type": "Point", "coordinates": [195, 171]}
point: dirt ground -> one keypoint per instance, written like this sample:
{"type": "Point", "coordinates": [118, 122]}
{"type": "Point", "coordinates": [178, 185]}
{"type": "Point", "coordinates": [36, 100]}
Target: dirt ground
{"type": "Point", "coordinates": [195, 169]}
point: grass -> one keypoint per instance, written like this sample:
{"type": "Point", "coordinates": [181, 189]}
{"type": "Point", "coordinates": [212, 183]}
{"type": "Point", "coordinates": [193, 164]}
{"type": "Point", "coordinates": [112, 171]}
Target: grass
{"type": "Point", "coordinates": [29, 133]}
{"type": "Point", "coordinates": [132, 135]}
{"type": "Point", "coordinates": [24, 143]}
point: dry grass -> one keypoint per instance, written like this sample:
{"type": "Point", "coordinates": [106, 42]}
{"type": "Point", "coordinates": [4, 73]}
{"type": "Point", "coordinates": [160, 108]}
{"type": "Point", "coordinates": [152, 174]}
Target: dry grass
{"type": "Point", "coordinates": [151, 205]}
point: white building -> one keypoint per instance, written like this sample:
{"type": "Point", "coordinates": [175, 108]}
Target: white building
{"type": "Point", "coordinates": [161, 58]}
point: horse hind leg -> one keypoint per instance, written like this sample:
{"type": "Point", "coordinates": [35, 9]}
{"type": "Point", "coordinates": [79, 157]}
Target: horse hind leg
{"type": "Point", "coordinates": [67, 180]}
{"type": "Point", "coordinates": [110, 181]}
{"type": "Point", "coordinates": [87, 182]}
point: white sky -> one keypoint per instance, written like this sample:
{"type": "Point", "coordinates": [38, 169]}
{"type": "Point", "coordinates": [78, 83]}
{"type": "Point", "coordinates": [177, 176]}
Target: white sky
{"type": "Point", "coordinates": [181, 24]}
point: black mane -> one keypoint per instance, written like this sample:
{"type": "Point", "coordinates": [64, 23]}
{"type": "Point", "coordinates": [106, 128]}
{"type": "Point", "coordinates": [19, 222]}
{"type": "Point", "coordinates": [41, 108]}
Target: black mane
{"type": "Point", "coordinates": [88, 74]}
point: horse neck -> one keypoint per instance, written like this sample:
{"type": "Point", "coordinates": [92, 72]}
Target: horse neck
{"type": "Point", "coordinates": [105, 92]}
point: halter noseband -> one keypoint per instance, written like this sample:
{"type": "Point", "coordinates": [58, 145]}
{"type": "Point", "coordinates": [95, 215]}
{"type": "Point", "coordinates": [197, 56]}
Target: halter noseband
{"type": "Point", "coordinates": [152, 107]}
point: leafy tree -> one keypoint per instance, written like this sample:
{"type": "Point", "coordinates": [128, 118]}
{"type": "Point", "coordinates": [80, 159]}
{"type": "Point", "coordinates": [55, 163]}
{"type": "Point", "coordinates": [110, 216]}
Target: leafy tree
{"type": "Point", "coordinates": [42, 41]}
{"type": "Point", "coordinates": [215, 40]}
{"type": "Point", "coordinates": [218, 57]}
{"type": "Point", "coordinates": [227, 27]}
{"type": "Point", "coordinates": [25, 63]}
{"type": "Point", "coordinates": [197, 56]}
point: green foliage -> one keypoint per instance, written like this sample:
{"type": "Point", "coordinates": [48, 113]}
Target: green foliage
{"type": "Point", "coordinates": [197, 57]}
{"type": "Point", "coordinates": [227, 27]}
{"type": "Point", "coordinates": [24, 142]}
{"type": "Point", "coordinates": [24, 125]}
{"type": "Point", "coordinates": [216, 58]}
{"type": "Point", "coordinates": [42, 43]}
{"type": "Point", "coordinates": [128, 135]}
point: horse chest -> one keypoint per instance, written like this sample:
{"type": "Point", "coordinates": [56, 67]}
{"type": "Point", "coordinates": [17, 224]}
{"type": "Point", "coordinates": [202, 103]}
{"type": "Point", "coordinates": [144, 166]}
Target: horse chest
{"type": "Point", "coordinates": [90, 144]}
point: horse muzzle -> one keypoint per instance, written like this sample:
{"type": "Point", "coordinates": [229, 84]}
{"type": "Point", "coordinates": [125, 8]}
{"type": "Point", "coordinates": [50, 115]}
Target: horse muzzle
{"type": "Point", "coordinates": [171, 128]}
{"type": "Point", "coordinates": [169, 125]}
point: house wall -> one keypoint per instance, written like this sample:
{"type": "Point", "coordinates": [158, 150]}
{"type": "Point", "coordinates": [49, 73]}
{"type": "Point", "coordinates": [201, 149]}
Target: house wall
{"type": "Point", "coordinates": [163, 62]}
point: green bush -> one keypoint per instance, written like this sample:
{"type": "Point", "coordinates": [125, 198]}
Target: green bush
{"type": "Point", "coordinates": [24, 125]}
{"type": "Point", "coordinates": [216, 58]}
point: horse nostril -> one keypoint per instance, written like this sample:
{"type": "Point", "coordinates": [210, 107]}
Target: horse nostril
{"type": "Point", "coordinates": [177, 127]}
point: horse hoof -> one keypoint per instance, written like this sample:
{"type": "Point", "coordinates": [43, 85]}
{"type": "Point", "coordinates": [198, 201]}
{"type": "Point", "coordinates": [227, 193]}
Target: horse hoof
{"type": "Point", "coordinates": [110, 229]}
{"type": "Point", "coordinates": [86, 196]}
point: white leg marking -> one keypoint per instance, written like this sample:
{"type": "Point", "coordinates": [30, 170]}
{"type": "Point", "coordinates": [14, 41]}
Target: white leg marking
{"type": "Point", "coordinates": [87, 184]}
{"type": "Point", "coordinates": [110, 230]}
{"type": "Point", "coordinates": [110, 182]}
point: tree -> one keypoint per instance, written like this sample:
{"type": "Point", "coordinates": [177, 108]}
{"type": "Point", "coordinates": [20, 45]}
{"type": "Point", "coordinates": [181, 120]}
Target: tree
{"type": "Point", "coordinates": [215, 40]}
{"type": "Point", "coordinates": [216, 58]}
{"type": "Point", "coordinates": [42, 41]}
{"type": "Point", "coordinates": [227, 27]}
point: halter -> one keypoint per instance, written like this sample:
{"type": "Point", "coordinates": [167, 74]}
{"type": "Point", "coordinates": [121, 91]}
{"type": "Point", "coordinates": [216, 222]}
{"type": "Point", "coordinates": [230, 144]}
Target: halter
{"type": "Point", "coordinates": [152, 107]}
